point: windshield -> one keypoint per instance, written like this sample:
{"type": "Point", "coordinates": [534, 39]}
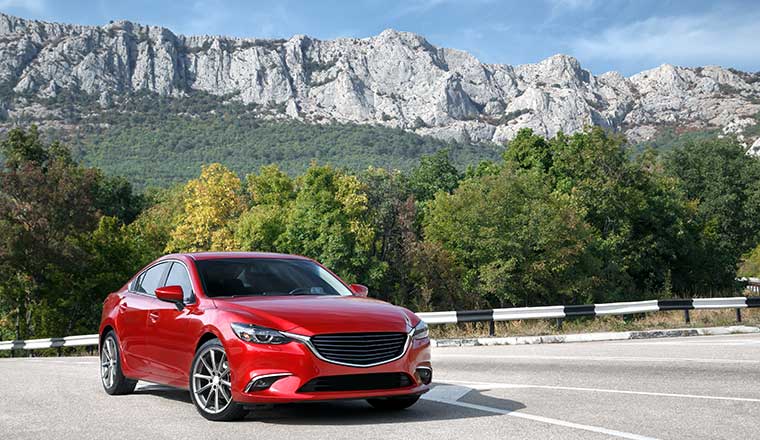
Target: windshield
{"type": "Point", "coordinates": [267, 276]}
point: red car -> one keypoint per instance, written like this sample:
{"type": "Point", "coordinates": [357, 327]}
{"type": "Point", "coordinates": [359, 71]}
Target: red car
{"type": "Point", "coordinates": [239, 329]}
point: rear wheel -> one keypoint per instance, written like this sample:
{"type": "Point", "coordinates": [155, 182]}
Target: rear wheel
{"type": "Point", "coordinates": [394, 403]}
{"type": "Point", "coordinates": [210, 384]}
{"type": "Point", "coordinates": [111, 375]}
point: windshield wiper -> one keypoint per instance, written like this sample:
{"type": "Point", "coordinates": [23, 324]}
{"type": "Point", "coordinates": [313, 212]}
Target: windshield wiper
{"type": "Point", "coordinates": [307, 291]}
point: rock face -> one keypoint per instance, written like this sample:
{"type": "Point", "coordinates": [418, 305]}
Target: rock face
{"type": "Point", "coordinates": [396, 79]}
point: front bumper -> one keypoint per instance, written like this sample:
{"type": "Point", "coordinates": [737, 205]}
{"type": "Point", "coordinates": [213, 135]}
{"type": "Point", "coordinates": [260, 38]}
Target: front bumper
{"type": "Point", "coordinates": [251, 361]}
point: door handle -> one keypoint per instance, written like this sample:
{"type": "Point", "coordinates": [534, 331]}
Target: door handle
{"type": "Point", "coordinates": [153, 316]}
{"type": "Point", "coordinates": [122, 307]}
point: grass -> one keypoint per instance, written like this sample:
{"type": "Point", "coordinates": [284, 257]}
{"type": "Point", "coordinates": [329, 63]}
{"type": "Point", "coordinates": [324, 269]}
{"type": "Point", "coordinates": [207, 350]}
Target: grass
{"type": "Point", "coordinates": [651, 321]}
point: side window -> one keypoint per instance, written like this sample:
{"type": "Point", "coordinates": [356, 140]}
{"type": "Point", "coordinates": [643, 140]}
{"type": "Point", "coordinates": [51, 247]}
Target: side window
{"type": "Point", "coordinates": [178, 276]}
{"type": "Point", "coordinates": [151, 279]}
{"type": "Point", "coordinates": [136, 283]}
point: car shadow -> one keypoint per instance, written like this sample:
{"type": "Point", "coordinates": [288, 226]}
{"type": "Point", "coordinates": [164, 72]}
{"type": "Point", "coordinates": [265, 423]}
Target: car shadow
{"type": "Point", "coordinates": [164, 391]}
{"type": "Point", "coordinates": [352, 412]}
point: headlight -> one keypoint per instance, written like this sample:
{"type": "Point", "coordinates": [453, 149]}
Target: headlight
{"type": "Point", "coordinates": [421, 331]}
{"type": "Point", "coordinates": [259, 335]}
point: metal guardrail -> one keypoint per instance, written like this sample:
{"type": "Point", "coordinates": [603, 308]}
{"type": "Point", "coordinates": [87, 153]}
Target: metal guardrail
{"type": "Point", "coordinates": [753, 285]}
{"type": "Point", "coordinates": [34, 344]}
{"type": "Point", "coordinates": [562, 312]}
{"type": "Point", "coordinates": [491, 316]}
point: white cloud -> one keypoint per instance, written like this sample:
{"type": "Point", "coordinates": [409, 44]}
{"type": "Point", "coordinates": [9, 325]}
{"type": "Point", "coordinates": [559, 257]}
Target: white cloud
{"type": "Point", "coordinates": [711, 38]}
{"type": "Point", "coordinates": [36, 6]}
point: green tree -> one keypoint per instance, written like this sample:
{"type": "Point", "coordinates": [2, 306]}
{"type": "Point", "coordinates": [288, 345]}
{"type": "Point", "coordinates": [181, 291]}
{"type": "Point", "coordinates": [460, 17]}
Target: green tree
{"type": "Point", "coordinates": [272, 193]}
{"type": "Point", "coordinates": [434, 173]}
{"type": "Point", "coordinates": [639, 218]}
{"type": "Point", "coordinates": [327, 221]}
{"type": "Point", "coordinates": [44, 200]}
{"type": "Point", "coordinates": [75, 299]}
{"type": "Point", "coordinates": [154, 225]}
{"type": "Point", "coordinates": [115, 198]}
{"type": "Point", "coordinates": [723, 183]}
{"type": "Point", "coordinates": [390, 204]}
{"type": "Point", "coordinates": [517, 241]}
{"type": "Point", "coordinates": [435, 280]}
{"type": "Point", "coordinates": [529, 150]}
{"type": "Point", "coordinates": [48, 203]}
{"type": "Point", "coordinates": [271, 186]}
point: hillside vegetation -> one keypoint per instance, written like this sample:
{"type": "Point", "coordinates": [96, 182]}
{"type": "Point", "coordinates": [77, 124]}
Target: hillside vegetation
{"type": "Point", "coordinates": [171, 149]}
{"type": "Point", "coordinates": [159, 141]}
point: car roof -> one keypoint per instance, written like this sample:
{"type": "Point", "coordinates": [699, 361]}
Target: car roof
{"type": "Point", "coordinates": [226, 255]}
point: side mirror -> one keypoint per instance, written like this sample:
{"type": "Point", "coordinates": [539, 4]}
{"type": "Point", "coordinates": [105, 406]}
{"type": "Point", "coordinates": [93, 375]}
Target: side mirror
{"type": "Point", "coordinates": [359, 290]}
{"type": "Point", "coordinates": [172, 294]}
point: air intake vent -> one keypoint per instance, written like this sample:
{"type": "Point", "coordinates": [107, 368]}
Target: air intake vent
{"type": "Point", "coordinates": [357, 382]}
{"type": "Point", "coordinates": [360, 349]}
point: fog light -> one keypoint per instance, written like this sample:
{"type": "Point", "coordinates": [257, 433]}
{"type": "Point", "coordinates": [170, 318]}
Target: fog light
{"type": "Point", "coordinates": [424, 375]}
{"type": "Point", "coordinates": [261, 383]}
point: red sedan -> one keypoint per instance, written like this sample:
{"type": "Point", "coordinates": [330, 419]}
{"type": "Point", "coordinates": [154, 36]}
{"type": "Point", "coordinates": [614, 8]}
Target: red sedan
{"type": "Point", "coordinates": [239, 329]}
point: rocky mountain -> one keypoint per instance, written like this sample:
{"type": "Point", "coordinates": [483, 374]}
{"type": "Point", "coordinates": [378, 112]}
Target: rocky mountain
{"type": "Point", "coordinates": [396, 79]}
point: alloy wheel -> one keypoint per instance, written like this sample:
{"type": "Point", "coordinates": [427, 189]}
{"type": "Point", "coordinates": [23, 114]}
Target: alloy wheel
{"type": "Point", "coordinates": [108, 362]}
{"type": "Point", "coordinates": [211, 381]}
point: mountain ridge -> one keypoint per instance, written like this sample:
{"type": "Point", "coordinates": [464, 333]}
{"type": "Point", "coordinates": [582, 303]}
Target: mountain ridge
{"type": "Point", "coordinates": [396, 79]}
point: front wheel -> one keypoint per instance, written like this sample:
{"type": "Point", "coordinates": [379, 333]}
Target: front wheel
{"type": "Point", "coordinates": [111, 375]}
{"type": "Point", "coordinates": [394, 403]}
{"type": "Point", "coordinates": [210, 384]}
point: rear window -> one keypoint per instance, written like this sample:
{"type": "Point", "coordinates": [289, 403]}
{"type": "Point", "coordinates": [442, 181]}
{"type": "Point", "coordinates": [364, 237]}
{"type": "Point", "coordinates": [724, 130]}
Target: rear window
{"type": "Point", "coordinates": [267, 276]}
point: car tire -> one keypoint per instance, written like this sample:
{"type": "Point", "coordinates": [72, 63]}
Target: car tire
{"type": "Point", "coordinates": [111, 375]}
{"type": "Point", "coordinates": [394, 403]}
{"type": "Point", "coordinates": [210, 384]}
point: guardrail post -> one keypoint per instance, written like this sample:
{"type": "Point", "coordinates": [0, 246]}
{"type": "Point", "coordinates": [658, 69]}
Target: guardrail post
{"type": "Point", "coordinates": [686, 316]}
{"type": "Point", "coordinates": [559, 323]}
{"type": "Point", "coordinates": [492, 328]}
{"type": "Point", "coordinates": [738, 315]}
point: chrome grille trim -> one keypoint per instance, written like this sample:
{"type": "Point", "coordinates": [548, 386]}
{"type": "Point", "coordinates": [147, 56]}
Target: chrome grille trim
{"type": "Point", "coordinates": [306, 340]}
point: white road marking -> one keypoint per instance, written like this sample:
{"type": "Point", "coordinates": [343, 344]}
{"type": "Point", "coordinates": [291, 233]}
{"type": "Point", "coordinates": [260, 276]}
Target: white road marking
{"type": "Point", "coordinates": [441, 393]}
{"type": "Point", "coordinates": [438, 355]}
{"type": "Point", "coordinates": [751, 338]}
{"type": "Point", "coordinates": [700, 344]}
{"type": "Point", "coordinates": [489, 385]}
{"type": "Point", "coordinates": [445, 394]}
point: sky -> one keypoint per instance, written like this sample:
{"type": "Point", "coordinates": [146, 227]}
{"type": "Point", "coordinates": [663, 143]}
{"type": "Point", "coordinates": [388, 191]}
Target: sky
{"type": "Point", "coordinates": [623, 35]}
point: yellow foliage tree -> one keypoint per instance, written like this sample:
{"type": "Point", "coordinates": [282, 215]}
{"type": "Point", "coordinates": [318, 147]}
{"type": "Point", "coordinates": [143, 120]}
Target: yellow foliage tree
{"type": "Point", "coordinates": [212, 202]}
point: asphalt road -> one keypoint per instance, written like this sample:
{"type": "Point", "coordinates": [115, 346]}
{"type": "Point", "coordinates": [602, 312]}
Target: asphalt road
{"type": "Point", "coordinates": [696, 388]}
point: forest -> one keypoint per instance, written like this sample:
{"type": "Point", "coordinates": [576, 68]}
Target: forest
{"type": "Point", "coordinates": [160, 141]}
{"type": "Point", "coordinates": [568, 220]}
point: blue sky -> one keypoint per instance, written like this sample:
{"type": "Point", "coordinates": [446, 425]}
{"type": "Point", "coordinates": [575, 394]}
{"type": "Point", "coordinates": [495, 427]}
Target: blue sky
{"type": "Point", "coordinates": [623, 35]}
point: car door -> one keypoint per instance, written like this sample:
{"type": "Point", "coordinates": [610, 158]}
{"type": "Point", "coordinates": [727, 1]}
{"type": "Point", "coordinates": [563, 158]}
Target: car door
{"type": "Point", "coordinates": [134, 308]}
{"type": "Point", "coordinates": [171, 348]}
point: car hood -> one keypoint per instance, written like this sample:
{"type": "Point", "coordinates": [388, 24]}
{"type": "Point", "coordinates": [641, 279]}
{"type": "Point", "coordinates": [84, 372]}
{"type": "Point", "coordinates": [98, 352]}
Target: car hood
{"type": "Point", "coordinates": [309, 315]}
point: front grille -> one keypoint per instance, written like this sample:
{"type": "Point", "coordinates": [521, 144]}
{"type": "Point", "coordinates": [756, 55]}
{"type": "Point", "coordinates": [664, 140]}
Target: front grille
{"type": "Point", "coordinates": [357, 382]}
{"type": "Point", "coordinates": [360, 349]}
